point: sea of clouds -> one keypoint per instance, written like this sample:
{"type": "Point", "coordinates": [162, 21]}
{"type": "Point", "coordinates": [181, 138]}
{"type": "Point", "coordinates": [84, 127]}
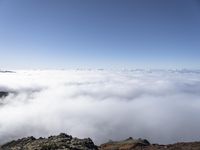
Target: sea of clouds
{"type": "Point", "coordinates": [162, 106]}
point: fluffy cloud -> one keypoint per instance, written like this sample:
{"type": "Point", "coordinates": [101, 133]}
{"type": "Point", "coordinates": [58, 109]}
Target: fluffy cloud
{"type": "Point", "coordinates": [162, 106]}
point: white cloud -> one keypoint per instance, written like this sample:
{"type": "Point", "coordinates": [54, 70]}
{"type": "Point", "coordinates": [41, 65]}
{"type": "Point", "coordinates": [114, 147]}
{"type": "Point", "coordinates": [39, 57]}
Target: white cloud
{"type": "Point", "coordinates": [162, 106]}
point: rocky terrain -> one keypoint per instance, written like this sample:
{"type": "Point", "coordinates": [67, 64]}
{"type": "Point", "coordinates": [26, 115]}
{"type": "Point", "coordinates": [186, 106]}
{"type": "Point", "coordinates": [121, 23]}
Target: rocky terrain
{"type": "Point", "coordinates": [67, 142]}
{"type": "Point", "coordinates": [139, 144]}
{"type": "Point", "coordinates": [60, 142]}
{"type": "Point", "coordinates": [128, 144]}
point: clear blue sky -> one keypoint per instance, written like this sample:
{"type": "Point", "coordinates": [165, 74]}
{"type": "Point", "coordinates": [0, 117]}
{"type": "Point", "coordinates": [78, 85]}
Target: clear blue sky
{"type": "Point", "coordinates": [99, 34]}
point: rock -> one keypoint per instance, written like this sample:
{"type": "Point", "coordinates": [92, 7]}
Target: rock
{"type": "Point", "coordinates": [67, 142]}
{"type": "Point", "coordinates": [60, 142]}
{"type": "Point", "coordinates": [143, 144]}
{"type": "Point", "coordinates": [130, 138]}
{"type": "Point", "coordinates": [128, 144]}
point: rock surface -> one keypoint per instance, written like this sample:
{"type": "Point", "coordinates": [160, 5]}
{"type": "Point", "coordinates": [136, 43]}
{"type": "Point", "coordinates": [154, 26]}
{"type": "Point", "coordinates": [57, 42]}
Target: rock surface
{"type": "Point", "coordinates": [132, 144]}
{"type": "Point", "coordinates": [67, 142]}
{"type": "Point", "coordinates": [128, 144]}
{"type": "Point", "coordinates": [60, 142]}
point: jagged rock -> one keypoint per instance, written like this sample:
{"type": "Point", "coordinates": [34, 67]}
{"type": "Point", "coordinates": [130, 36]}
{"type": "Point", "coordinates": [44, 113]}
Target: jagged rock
{"type": "Point", "coordinates": [128, 144]}
{"type": "Point", "coordinates": [67, 142]}
{"type": "Point", "coordinates": [143, 144]}
{"type": "Point", "coordinates": [60, 142]}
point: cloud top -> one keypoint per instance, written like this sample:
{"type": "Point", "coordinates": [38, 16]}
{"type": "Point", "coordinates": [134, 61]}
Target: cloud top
{"type": "Point", "coordinates": [162, 106]}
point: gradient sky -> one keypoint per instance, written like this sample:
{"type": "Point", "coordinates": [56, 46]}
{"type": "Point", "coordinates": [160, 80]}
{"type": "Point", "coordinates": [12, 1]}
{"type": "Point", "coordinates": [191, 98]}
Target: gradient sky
{"type": "Point", "coordinates": [58, 34]}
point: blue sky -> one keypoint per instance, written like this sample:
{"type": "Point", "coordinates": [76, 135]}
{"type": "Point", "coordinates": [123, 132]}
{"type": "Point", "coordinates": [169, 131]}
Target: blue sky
{"type": "Point", "coordinates": [58, 34]}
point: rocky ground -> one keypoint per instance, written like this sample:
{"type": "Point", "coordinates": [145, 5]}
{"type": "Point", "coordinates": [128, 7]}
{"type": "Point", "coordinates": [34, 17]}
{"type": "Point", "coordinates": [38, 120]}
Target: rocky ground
{"type": "Point", "coordinates": [67, 142]}
{"type": "Point", "coordinates": [139, 144]}
{"type": "Point", "coordinates": [60, 142]}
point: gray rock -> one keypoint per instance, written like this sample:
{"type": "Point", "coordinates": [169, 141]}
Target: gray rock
{"type": "Point", "coordinates": [60, 142]}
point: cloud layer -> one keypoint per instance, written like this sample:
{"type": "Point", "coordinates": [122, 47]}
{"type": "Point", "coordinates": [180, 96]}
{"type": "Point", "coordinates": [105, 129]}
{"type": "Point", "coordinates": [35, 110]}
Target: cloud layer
{"type": "Point", "coordinates": [162, 106]}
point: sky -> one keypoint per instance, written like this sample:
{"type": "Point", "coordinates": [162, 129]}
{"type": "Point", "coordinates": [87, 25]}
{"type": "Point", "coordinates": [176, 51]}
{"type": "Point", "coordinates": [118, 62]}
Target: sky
{"type": "Point", "coordinates": [55, 34]}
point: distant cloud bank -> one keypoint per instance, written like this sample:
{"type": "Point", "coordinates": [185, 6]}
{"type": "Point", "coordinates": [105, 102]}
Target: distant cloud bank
{"type": "Point", "coordinates": [162, 106]}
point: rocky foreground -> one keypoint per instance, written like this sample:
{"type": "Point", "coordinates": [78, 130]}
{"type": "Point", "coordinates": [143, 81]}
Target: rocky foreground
{"type": "Point", "coordinates": [139, 144]}
{"type": "Point", "coordinates": [67, 142]}
{"type": "Point", "coordinates": [60, 142]}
